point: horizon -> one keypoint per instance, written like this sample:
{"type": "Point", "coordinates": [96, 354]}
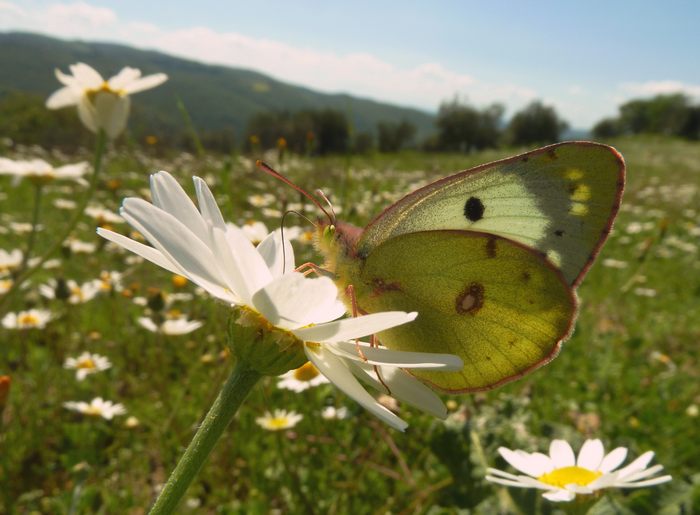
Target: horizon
{"type": "Point", "coordinates": [585, 80]}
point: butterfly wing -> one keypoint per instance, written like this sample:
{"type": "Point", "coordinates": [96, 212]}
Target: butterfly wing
{"type": "Point", "coordinates": [559, 200]}
{"type": "Point", "coordinates": [497, 304]}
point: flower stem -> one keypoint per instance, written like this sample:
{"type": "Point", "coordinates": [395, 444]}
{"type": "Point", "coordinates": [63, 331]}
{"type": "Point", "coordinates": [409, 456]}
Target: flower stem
{"type": "Point", "coordinates": [38, 189]}
{"type": "Point", "coordinates": [26, 274]}
{"type": "Point", "coordinates": [232, 395]}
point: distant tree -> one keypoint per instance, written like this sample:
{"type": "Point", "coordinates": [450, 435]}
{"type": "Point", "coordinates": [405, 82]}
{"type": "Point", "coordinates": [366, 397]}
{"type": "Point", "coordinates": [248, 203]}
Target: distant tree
{"type": "Point", "coordinates": [363, 143]}
{"type": "Point", "coordinates": [332, 131]}
{"type": "Point", "coordinates": [393, 136]}
{"type": "Point", "coordinates": [463, 128]}
{"type": "Point", "coordinates": [536, 123]}
{"type": "Point", "coordinates": [323, 131]}
{"type": "Point", "coordinates": [607, 128]}
{"type": "Point", "coordinates": [662, 114]}
{"type": "Point", "coordinates": [673, 114]}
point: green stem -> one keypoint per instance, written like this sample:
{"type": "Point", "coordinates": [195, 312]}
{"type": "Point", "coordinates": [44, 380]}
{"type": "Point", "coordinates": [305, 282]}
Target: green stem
{"type": "Point", "coordinates": [38, 188]}
{"type": "Point", "coordinates": [26, 274]}
{"type": "Point", "coordinates": [232, 395]}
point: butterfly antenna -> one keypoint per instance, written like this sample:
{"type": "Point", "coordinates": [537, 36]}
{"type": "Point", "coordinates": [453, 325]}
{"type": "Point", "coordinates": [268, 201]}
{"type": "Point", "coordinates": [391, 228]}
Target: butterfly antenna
{"type": "Point", "coordinates": [330, 206]}
{"type": "Point", "coordinates": [269, 170]}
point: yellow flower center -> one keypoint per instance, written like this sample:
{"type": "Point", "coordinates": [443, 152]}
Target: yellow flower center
{"type": "Point", "coordinates": [570, 475]}
{"type": "Point", "coordinates": [179, 281]}
{"type": "Point", "coordinates": [77, 292]}
{"type": "Point", "coordinates": [93, 411]}
{"type": "Point", "coordinates": [276, 423]}
{"type": "Point", "coordinates": [306, 372]}
{"type": "Point", "coordinates": [28, 320]}
{"type": "Point", "coordinates": [86, 363]}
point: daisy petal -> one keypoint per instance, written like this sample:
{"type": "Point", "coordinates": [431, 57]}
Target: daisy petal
{"type": "Point", "coordinates": [169, 196]}
{"type": "Point", "coordinates": [278, 254]}
{"type": "Point", "coordinates": [591, 454]}
{"type": "Point", "coordinates": [562, 454]}
{"type": "Point", "coordinates": [292, 299]}
{"type": "Point", "coordinates": [87, 76]}
{"type": "Point", "coordinates": [533, 464]}
{"type": "Point", "coordinates": [351, 328]}
{"type": "Point", "coordinates": [639, 464]}
{"type": "Point", "coordinates": [149, 253]}
{"type": "Point", "coordinates": [613, 460]}
{"type": "Point", "coordinates": [207, 205]}
{"type": "Point", "coordinates": [403, 359]}
{"type": "Point", "coordinates": [648, 482]}
{"type": "Point", "coordinates": [144, 83]}
{"type": "Point", "coordinates": [559, 496]}
{"type": "Point", "coordinates": [64, 97]}
{"type": "Point", "coordinates": [336, 371]}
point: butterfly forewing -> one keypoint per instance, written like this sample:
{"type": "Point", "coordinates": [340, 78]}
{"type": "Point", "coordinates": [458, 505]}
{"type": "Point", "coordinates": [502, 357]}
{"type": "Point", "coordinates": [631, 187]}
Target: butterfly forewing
{"type": "Point", "coordinates": [498, 305]}
{"type": "Point", "coordinates": [559, 200]}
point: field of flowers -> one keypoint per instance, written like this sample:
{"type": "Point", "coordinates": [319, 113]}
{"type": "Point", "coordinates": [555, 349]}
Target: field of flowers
{"type": "Point", "coordinates": [109, 363]}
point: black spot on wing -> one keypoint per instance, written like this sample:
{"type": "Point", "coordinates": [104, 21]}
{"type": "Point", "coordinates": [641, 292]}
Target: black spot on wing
{"type": "Point", "coordinates": [474, 209]}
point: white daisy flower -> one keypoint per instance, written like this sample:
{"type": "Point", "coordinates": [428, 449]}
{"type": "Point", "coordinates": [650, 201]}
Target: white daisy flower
{"type": "Point", "coordinates": [333, 413]}
{"type": "Point", "coordinates": [31, 319]}
{"type": "Point", "coordinates": [103, 215]}
{"type": "Point", "coordinates": [80, 247]}
{"type": "Point", "coordinates": [97, 407]}
{"type": "Point", "coordinates": [199, 245]}
{"type": "Point", "coordinates": [5, 285]}
{"type": "Point", "coordinates": [171, 327]}
{"type": "Point", "coordinates": [87, 364]}
{"type": "Point", "coordinates": [40, 170]}
{"type": "Point", "coordinates": [102, 104]}
{"type": "Point", "coordinates": [562, 475]}
{"type": "Point", "coordinates": [281, 419]}
{"type": "Point", "coordinates": [75, 293]}
{"type": "Point", "coordinates": [302, 378]}
{"type": "Point", "coordinates": [9, 260]}
{"type": "Point", "coordinates": [255, 231]}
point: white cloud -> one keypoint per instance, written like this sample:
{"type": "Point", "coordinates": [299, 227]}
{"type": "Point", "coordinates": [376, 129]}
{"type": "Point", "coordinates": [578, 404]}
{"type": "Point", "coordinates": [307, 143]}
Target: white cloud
{"type": "Point", "coordinates": [660, 87]}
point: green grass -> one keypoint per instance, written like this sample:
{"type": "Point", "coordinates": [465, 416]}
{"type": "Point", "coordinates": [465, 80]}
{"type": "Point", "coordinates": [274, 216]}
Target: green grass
{"type": "Point", "coordinates": [629, 374]}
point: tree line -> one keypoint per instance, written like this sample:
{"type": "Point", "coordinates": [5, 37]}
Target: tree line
{"type": "Point", "coordinates": [459, 127]}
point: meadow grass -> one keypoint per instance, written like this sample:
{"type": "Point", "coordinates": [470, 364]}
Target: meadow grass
{"type": "Point", "coordinates": [628, 375]}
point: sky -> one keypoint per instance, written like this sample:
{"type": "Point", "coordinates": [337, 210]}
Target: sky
{"type": "Point", "coordinates": [583, 58]}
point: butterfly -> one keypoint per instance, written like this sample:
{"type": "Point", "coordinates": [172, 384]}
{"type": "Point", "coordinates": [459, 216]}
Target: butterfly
{"type": "Point", "coordinates": [490, 258]}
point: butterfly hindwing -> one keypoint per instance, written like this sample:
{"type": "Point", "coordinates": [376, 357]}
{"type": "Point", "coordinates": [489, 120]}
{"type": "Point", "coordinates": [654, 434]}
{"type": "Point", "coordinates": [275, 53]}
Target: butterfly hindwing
{"type": "Point", "coordinates": [559, 200]}
{"type": "Point", "coordinates": [495, 303]}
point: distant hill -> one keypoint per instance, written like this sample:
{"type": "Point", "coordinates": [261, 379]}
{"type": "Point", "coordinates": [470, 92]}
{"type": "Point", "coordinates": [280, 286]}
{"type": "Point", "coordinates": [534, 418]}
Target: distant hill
{"type": "Point", "coordinates": [217, 97]}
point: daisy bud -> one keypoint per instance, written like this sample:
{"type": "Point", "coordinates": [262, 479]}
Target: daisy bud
{"type": "Point", "coordinates": [269, 350]}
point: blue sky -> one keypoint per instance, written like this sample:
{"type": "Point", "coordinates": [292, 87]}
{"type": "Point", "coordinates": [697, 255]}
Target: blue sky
{"type": "Point", "coordinates": [583, 58]}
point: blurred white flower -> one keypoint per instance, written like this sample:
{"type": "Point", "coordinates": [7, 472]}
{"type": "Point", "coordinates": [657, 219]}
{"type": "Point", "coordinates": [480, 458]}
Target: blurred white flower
{"type": "Point", "coordinates": [300, 379]}
{"type": "Point", "coordinates": [102, 104]}
{"type": "Point", "coordinates": [171, 327]}
{"type": "Point", "coordinates": [70, 290]}
{"type": "Point", "coordinates": [281, 419]}
{"type": "Point", "coordinates": [87, 364]}
{"type": "Point", "coordinates": [9, 260]}
{"type": "Point", "coordinates": [255, 231]}
{"type": "Point", "coordinates": [97, 407]}
{"type": "Point", "coordinates": [563, 476]}
{"type": "Point", "coordinates": [333, 413]}
{"type": "Point", "coordinates": [40, 170]}
{"type": "Point", "coordinates": [30, 319]}
{"type": "Point", "coordinates": [103, 216]}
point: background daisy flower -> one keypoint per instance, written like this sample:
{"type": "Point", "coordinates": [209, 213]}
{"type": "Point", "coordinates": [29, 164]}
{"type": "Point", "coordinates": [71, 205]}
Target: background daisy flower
{"type": "Point", "coordinates": [563, 475]}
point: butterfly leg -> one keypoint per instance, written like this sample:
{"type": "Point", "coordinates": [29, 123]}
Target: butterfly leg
{"type": "Point", "coordinates": [310, 268]}
{"type": "Point", "coordinates": [350, 292]}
